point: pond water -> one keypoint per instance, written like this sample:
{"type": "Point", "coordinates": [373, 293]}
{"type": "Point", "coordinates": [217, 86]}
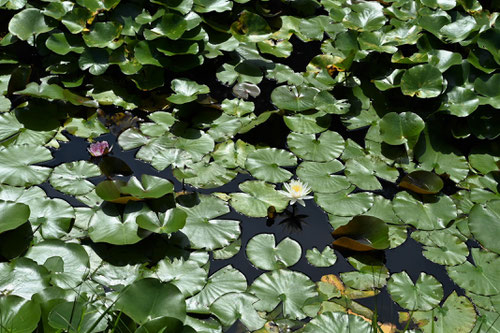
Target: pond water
{"type": "Point", "coordinates": [313, 230]}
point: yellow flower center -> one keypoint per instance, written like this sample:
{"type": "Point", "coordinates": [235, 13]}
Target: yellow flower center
{"type": "Point", "coordinates": [296, 188]}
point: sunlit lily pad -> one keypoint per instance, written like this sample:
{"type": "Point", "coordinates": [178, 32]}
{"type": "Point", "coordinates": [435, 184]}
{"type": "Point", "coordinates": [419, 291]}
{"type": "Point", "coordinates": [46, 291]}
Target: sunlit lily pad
{"type": "Point", "coordinates": [266, 164]}
{"type": "Point", "coordinates": [345, 203]}
{"type": "Point", "coordinates": [322, 177]}
{"type": "Point", "coordinates": [12, 215]}
{"type": "Point", "coordinates": [424, 81]}
{"type": "Point", "coordinates": [264, 253]}
{"type": "Point", "coordinates": [256, 198]}
{"type": "Point", "coordinates": [484, 223]}
{"type": "Point", "coordinates": [17, 168]}
{"type": "Point", "coordinates": [328, 146]}
{"type": "Point", "coordinates": [362, 233]}
{"type": "Point", "coordinates": [18, 314]}
{"type": "Point", "coordinates": [425, 294]}
{"type": "Point", "coordinates": [71, 177]}
{"type": "Point", "coordinates": [422, 182]}
{"type": "Point", "coordinates": [291, 288]}
{"type": "Point", "coordinates": [326, 258]}
{"type": "Point", "coordinates": [294, 98]}
{"type": "Point", "coordinates": [402, 128]}
{"type": "Point", "coordinates": [23, 277]}
{"type": "Point", "coordinates": [337, 321]}
{"type": "Point", "coordinates": [237, 306]}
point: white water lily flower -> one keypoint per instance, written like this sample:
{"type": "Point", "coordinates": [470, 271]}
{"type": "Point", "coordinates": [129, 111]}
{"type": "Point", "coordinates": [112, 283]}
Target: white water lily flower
{"type": "Point", "coordinates": [297, 192]}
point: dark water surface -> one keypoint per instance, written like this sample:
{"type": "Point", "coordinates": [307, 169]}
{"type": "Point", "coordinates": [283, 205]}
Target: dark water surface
{"type": "Point", "coordinates": [314, 231]}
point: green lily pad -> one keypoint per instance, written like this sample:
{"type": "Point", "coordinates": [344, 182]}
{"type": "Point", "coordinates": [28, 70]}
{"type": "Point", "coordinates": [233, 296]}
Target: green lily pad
{"type": "Point", "coordinates": [424, 295]}
{"type": "Point", "coordinates": [187, 275]}
{"type": "Point", "coordinates": [264, 253]}
{"type": "Point", "coordinates": [328, 146]}
{"type": "Point", "coordinates": [431, 213]}
{"type": "Point", "coordinates": [308, 122]}
{"type": "Point", "coordinates": [53, 217]}
{"type": "Point", "coordinates": [186, 91]}
{"type": "Point", "coordinates": [19, 315]}
{"type": "Point", "coordinates": [366, 16]}
{"type": "Point", "coordinates": [102, 34]}
{"type": "Point", "coordinates": [75, 317]}
{"type": "Point", "coordinates": [204, 230]}
{"type": "Point", "coordinates": [484, 224]}
{"type": "Point", "coordinates": [290, 288]}
{"type": "Point", "coordinates": [326, 258]}
{"type": "Point", "coordinates": [265, 164]}
{"type": "Point", "coordinates": [12, 215]}
{"type": "Point", "coordinates": [237, 306]}
{"type": "Point", "coordinates": [461, 101]}
{"type": "Point", "coordinates": [367, 277]}
{"type": "Point", "coordinates": [343, 203]}
{"type": "Point", "coordinates": [422, 182]}
{"type": "Point", "coordinates": [237, 107]}
{"type": "Point", "coordinates": [108, 225]}
{"type": "Point", "coordinates": [363, 233]}
{"type": "Point", "coordinates": [229, 251]}
{"type": "Point", "coordinates": [148, 187]}
{"type": "Point", "coordinates": [337, 322]}
{"type": "Point", "coordinates": [30, 22]}
{"type": "Point", "coordinates": [321, 177]}
{"type": "Point", "coordinates": [71, 177]}
{"type": "Point", "coordinates": [205, 174]}
{"type": "Point", "coordinates": [250, 27]}
{"type": "Point", "coordinates": [23, 277]}
{"type": "Point", "coordinates": [457, 314]}
{"type": "Point", "coordinates": [17, 168]}
{"type": "Point", "coordinates": [402, 128]}
{"type": "Point", "coordinates": [424, 81]}
{"type": "Point", "coordinates": [257, 198]}
{"type": "Point", "coordinates": [225, 280]}
{"type": "Point", "coordinates": [171, 25]}
{"type": "Point", "coordinates": [148, 299]}
{"type": "Point", "coordinates": [63, 44]}
{"type": "Point", "coordinates": [294, 98]}
{"type": "Point", "coordinates": [170, 221]}
{"type": "Point", "coordinates": [442, 247]}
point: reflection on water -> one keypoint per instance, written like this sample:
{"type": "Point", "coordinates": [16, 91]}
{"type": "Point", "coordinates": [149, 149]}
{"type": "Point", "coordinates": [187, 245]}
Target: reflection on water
{"type": "Point", "coordinates": [307, 225]}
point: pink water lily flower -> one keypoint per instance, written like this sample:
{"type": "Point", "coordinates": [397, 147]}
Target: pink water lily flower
{"type": "Point", "coordinates": [99, 148]}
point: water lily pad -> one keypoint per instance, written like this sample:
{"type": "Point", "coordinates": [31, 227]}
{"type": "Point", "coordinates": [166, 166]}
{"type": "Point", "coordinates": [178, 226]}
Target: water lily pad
{"type": "Point", "coordinates": [424, 81]}
{"type": "Point", "coordinates": [23, 277]}
{"type": "Point", "coordinates": [291, 288]}
{"type": "Point", "coordinates": [17, 168]}
{"type": "Point", "coordinates": [167, 222]}
{"type": "Point", "coordinates": [74, 258]}
{"type": "Point", "coordinates": [422, 182]}
{"type": "Point", "coordinates": [204, 230]}
{"type": "Point", "coordinates": [187, 275]}
{"type": "Point", "coordinates": [225, 280]}
{"type": "Point", "coordinates": [405, 127]}
{"type": "Point", "coordinates": [258, 196]}
{"type": "Point", "coordinates": [237, 306]}
{"type": "Point", "coordinates": [367, 276]}
{"type": "Point", "coordinates": [148, 299]}
{"type": "Point", "coordinates": [30, 22]}
{"type": "Point", "coordinates": [321, 176]}
{"type": "Point", "coordinates": [266, 164]}
{"type": "Point", "coordinates": [12, 215]}
{"type": "Point", "coordinates": [326, 258]}
{"type": "Point", "coordinates": [74, 316]}
{"type": "Point", "coordinates": [424, 295]}
{"type": "Point", "coordinates": [345, 203]}
{"type": "Point", "coordinates": [328, 146]}
{"type": "Point", "coordinates": [53, 217]}
{"type": "Point", "coordinates": [367, 16]}
{"type": "Point", "coordinates": [457, 314]}
{"type": "Point", "coordinates": [308, 122]}
{"type": "Point", "coordinates": [442, 247]}
{"type": "Point", "coordinates": [362, 233]}
{"type": "Point", "coordinates": [71, 177]}
{"type": "Point", "coordinates": [18, 315]}
{"type": "Point", "coordinates": [102, 34]}
{"type": "Point", "coordinates": [430, 213]}
{"type": "Point", "coordinates": [481, 278]}
{"type": "Point", "coordinates": [229, 251]}
{"type": "Point", "coordinates": [264, 253]}
{"type": "Point", "coordinates": [108, 225]}
{"type": "Point", "coordinates": [148, 187]}
{"type": "Point", "coordinates": [250, 27]}
{"type": "Point", "coordinates": [484, 224]}
{"type": "Point", "coordinates": [338, 322]}
{"type": "Point", "coordinates": [294, 98]}
{"type": "Point", "coordinates": [186, 91]}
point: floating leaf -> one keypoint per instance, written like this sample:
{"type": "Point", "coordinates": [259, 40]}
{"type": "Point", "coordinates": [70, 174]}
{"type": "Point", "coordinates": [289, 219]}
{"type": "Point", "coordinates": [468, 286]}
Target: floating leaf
{"type": "Point", "coordinates": [336, 322]}
{"type": "Point", "coordinates": [424, 81]}
{"type": "Point", "coordinates": [321, 176]}
{"type": "Point", "coordinates": [294, 98]}
{"type": "Point", "coordinates": [16, 165]}
{"type": "Point", "coordinates": [186, 91]}
{"type": "Point", "coordinates": [484, 223]}
{"type": "Point", "coordinates": [362, 233]}
{"type": "Point", "coordinates": [170, 221]}
{"type": "Point", "coordinates": [343, 203]}
{"type": "Point", "coordinates": [18, 315]}
{"type": "Point", "coordinates": [328, 146]}
{"type": "Point", "coordinates": [23, 277]}
{"type": "Point", "coordinates": [12, 215]}
{"type": "Point", "coordinates": [71, 177]}
{"type": "Point", "coordinates": [258, 196]}
{"type": "Point", "coordinates": [237, 306]}
{"type": "Point", "coordinates": [264, 253]}
{"type": "Point", "coordinates": [266, 163]}
{"type": "Point", "coordinates": [326, 258]}
{"type": "Point", "coordinates": [422, 182]}
{"type": "Point", "coordinates": [402, 128]}
{"type": "Point", "coordinates": [29, 23]}
{"type": "Point", "coordinates": [425, 294]}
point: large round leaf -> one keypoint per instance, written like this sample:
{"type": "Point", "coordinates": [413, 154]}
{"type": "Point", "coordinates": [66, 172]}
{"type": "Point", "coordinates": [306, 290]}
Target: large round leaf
{"type": "Point", "coordinates": [328, 146]}
{"type": "Point", "coordinates": [337, 322]}
{"type": "Point", "coordinates": [308, 122]}
{"type": "Point", "coordinates": [251, 27]}
{"type": "Point", "coordinates": [147, 299]}
{"type": "Point", "coordinates": [237, 306]}
{"type": "Point", "coordinates": [74, 257]}
{"type": "Point", "coordinates": [425, 294]}
{"type": "Point", "coordinates": [291, 288]}
{"type": "Point", "coordinates": [148, 187]}
{"type": "Point", "coordinates": [108, 225]}
{"type": "Point", "coordinates": [101, 34]}
{"type": "Point", "coordinates": [23, 277]}
{"type": "Point", "coordinates": [18, 315]}
{"type": "Point", "coordinates": [424, 81]}
{"type": "Point", "coordinates": [170, 221]}
{"type": "Point", "coordinates": [187, 275]}
{"type": "Point", "coordinates": [12, 215]}
{"type": "Point", "coordinates": [442, 247]}
{"type": "Point", "coordinates": [482, 277]}
{"type": "Point", "coordinates": [70, 178]}
{"type": "Point", "coordinates": [52, 216]}
{"type": "Point", "coordinates": [363, 233]}
{"type": "Point", "coordinates": [29, 22]}
{"type": "Point", "coordinates": [457, 315]}
{"type": "Point", "coordinates": [321, 176]}
{"type": "Point", "coordinates": [343, 203]}
{"type": "Point", "coordinates": [16, 165]}
{"type": "Point", "coordinates": [433, 212]}
{"type": "Point", "coordinates": [294, 98]}
{"type": "Point", "coordinates": [264, 253]}
{"type": "Point", "coordinates": [225, 280]}
{"type": "Point", "coordinates": [265, 164]}
{"type": "Point", "coordinates": [484, 223]}
{"type": "Point", "coordinates": [206, 232]}
{"type": "Point", "coordinates": [365, 16]}
{"type": "Point", "coordinates": [257, 198]}
{"type": "Point", "coordinates": [405, 127]}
